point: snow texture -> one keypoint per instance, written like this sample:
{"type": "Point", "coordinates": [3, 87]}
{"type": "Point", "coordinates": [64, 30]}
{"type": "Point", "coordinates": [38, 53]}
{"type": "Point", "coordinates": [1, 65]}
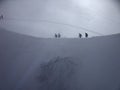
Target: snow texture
{"type": "Point", "coordinates": [29, 63]}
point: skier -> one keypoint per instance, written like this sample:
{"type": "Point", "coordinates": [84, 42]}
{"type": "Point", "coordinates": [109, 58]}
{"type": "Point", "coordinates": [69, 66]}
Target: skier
{"type": "Point", "coordinates": [86, 35]}
{"type": "Point", "coordinates": [80, 35]}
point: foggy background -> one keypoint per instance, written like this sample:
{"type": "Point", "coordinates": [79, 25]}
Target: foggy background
{"type": "Point", "coordinates": [97, 58]}
{"type": "Point", "coordinates": [43, 18]}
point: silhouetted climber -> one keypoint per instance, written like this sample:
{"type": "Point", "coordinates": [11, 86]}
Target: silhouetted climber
{"type": "Point", "coordinates": [56, 35]}
{"type": "Point", "coordinates": [59, 35]}
{"type": "Point", "coordinates": [80, 35]}
{"type": "Point", "coordinates": [86, 35]}
{"type": "Point", "coordinates": [1, 17]}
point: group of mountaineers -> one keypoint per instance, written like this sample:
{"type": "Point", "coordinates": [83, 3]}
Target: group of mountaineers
{"type": "Point", "coordinates": [57, 35]}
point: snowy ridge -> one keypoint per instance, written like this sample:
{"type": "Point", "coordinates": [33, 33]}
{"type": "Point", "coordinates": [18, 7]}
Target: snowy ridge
{"type": "Point", "coordinates": [98, 60]}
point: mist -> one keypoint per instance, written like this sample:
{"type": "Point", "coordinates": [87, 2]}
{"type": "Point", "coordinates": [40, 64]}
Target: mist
{"type": "Point", "coordinates": [43, 18]}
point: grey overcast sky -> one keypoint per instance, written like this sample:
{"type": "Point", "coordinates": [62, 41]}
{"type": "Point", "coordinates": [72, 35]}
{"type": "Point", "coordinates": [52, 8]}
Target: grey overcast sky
{"type": "Point", "coordinates": [43, 18]}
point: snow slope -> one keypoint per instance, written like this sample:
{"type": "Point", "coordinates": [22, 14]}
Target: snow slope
{"type": "Point", "coordinates": [97, 58]}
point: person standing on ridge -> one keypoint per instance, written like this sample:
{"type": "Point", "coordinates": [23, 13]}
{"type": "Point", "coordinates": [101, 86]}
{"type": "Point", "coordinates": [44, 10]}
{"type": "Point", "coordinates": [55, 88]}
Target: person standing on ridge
{"type": "Point", "coordinates": [86, 35]}
{"type": "Point", "coordinates": [56, 35]}
{"type": "Point", "coordinates": [1, 17]}
{"type": "Point", "coordinates": [59, 35]}
{"type": "Point", "coordinates": [80, 35]}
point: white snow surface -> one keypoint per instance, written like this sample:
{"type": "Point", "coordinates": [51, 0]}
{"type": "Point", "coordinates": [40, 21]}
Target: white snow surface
{"type": "Point", "coordinates": [97, 59]}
